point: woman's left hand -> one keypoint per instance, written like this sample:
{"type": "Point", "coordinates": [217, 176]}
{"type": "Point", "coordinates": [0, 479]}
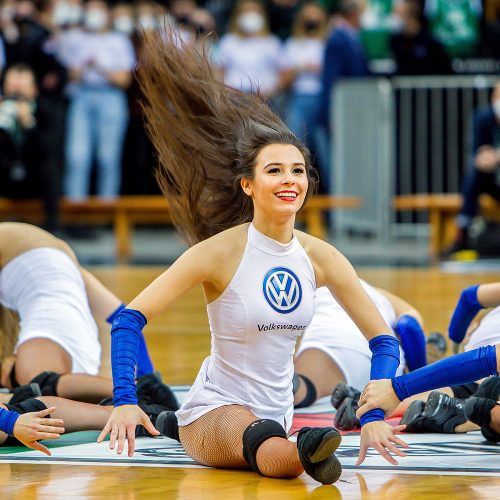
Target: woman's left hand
{"type": "Point", "coordinates": [378, 394]}
{"type": "Point", "coordinates": [382, 437]}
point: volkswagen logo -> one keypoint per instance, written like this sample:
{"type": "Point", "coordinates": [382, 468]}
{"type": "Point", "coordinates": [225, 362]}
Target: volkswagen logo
{"type": "Point", "coordinates": [282, 290]}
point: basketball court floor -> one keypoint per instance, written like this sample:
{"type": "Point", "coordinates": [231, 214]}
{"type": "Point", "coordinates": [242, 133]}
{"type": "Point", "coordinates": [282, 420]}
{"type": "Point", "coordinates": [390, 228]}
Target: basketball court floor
{"type": "Point", "coordinates": [437, 466]}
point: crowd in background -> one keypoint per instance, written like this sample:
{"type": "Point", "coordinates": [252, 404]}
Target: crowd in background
{"type": "Point", "coordinates": [70, 102]}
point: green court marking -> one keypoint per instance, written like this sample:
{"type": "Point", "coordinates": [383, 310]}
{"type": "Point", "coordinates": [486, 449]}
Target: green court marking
{"type": "Point", "coordinates": [72, 439]}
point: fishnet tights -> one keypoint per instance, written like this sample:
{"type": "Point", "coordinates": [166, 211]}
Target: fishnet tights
{"type": "Point", "coordinates": [216, 439]}
{"type": "Point", "coordinates": [78, 416]}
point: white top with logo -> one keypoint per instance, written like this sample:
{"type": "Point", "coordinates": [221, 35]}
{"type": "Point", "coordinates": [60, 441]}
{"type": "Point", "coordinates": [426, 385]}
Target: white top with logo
{"type": "Point", "coordinates": [487, 333]}
{"type": "Point", "coordinates": [255, 323]}
{"type": "Point", "coordinates": [46, 289]}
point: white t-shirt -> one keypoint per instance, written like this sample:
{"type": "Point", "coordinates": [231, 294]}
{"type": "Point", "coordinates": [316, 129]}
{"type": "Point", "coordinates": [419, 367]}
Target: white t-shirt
{"type": "Point", "coordinates": [110, 51]}
{"type": "Point", "coordinates": [250, 62]}
{"type": "Point", "coordinates": [298, 52]}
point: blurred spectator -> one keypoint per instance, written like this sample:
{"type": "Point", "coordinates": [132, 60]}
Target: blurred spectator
{"type": "Point", "coordinates": [181, 11]}
{"type": "Point", "coordinates": [24, 170]}
{"type": "Point", "coordinates": [484, 174]}
{"type": "Point", "coordinates": [101, 69]}
{"type": "Point", "coordinates": [344, 58]}
{"type": "Point", "coordinates": [490, 41]}
{"type": "Point", "coordinates": [281, 15]}
{"type": "Point", "coordinates": [249, 55]}
{"type": "Point", "coordinates": [344, 54]}
{"type": "Point", "coordinates": [303, 64]}
{"type": "Point", "coordinates": [203, 29]}
{"type": "Point", "coordinates": [455, 23]}
{"type": "Point", "coordinates": [123, 18]}
{"type": "Point", "coordinates": [147, 15]}
{"type": "Point", "coordinates": [29, 35]}
{"type": "Point", "coordinates": [415, 50]}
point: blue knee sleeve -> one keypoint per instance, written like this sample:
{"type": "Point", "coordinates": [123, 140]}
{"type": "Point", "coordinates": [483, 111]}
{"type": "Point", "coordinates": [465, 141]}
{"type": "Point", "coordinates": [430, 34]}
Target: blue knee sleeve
{"type": "Point", "coordinates": [412, 341]}
{"type": "Point", "coordinates": [460, 369]}
{"type": "Point", "coordinates": [8, 420]}
{"type": "Point", "coordinates": [385, 362]}
{"type": "Point", "coordinates": [144, 363]}
{"type": "Point", "coordinates": [468, 306]}
{"type": "Point", "coordinates": [126, 334]}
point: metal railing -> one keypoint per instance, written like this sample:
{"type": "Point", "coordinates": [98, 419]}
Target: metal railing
{"type": "Point", "coordinates": [402, 136]}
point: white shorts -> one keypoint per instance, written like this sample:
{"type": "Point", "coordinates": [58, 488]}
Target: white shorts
{"type": "Point", "coordinates": [487, 333]}
{"type": "Point", "coordinates": [45, 287]}
{"type": "Point", "coordinates": [333, 332]}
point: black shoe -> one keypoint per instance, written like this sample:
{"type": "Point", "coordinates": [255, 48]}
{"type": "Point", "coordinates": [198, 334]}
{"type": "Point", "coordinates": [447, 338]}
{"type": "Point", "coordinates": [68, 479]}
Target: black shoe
{"type": "Point", "coordinates": [345, 418]}
{"type": "Point", "coordinates": [153, 412]}
{"type": "Point", "coordinates": [489, 388]}
{"type": "Point", "coordinates": [436, 347]}
{"type": "Point", "coordinates": [443, 413]}
{"type": "Point", "coordinates": [478, 410]}
{"type": "Point", "coordinates": [151, 389]}
{"type": "Point", "coordinates": [413, 417]}
{"type": "Point", "coordinates": [167, 424]}
{"type": "Point", "coordinates": [343, 391]}
{"type": "Point", "coordinates": [24, 392]}
{"type": "Point", "coordinates": [316, 447]}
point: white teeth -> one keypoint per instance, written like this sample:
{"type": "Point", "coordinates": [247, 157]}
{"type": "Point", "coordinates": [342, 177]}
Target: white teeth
{"type": "Point", "coordinates": [286, 195]}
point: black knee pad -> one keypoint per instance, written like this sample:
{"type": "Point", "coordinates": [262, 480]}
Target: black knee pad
{"type": "Point", "coordinates": [464, 391]}
{"type": "Point", "coordinates": [255, 434]}
{"type": "Point", "coordinates": [311, 393]}
{"type": "Point", "coordinates": [47, 382]}
{"type": "Point", "coordinates": [27, 406]}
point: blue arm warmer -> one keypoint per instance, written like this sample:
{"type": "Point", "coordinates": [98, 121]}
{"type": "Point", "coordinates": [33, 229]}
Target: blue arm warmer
{"type": "Point", "coordinates": [413, 342]}
{"type": "Point", "coordinates": [385, 362]}
{"type": "Point", "coordinates": [8, 420]}
{"type": "Point", "coordinates": [144, 363]}
{"type": "Point", "coordinates": [125, 338]}
{"type": "Point", "coordinates": [115, 313]}
{"type": "Point", "coordinates": [460, 369]}
{"type": "Point", "coordinates": [468, 306]}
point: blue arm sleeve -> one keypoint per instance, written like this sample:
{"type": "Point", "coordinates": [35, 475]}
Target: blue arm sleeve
{"type": "Point", "coordinates": [385, 362]}
{"type": "Point", "coordinates": [460, 369]}
{"type": "Point", "coordinates": [412, 341]}
{"type": "Point", "coordinates": [115, 313]}
{"type": "Point", "coordinates": [126, 334]}
{"type": "Point", "coordinates": [144, 362]}
{"type": "Point", "coordinates": [8, 420]}
{"type": "Point", "coordinates": [468, 306]}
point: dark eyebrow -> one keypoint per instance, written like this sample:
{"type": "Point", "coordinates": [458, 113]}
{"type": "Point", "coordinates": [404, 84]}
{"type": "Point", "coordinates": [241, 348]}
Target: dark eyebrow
{"type": "Point", "coordinates": [279, 164]}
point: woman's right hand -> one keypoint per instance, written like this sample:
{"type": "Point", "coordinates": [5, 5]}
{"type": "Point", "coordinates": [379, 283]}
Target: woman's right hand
{"type": "Point", "coordinates": [121, 425]}
{"type": "Point", "coordinates": [31, 427]}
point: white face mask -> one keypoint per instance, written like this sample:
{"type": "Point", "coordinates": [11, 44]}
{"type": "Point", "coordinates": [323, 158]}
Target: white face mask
{"type": "Point", "coordinates": [124, 24]}
{"type": "Point", "coordinates": [61, 14]}
{"type": "Point", "coordinates": [76, 14]}
{"type": "Point", "coordinates": [147, 22]}
{"type": "Point", "coordinates": [496, 108]}
{"type": "Point", "coordinates": [95, 19]}
{"type": "Point", "coordinates": [251, 23]}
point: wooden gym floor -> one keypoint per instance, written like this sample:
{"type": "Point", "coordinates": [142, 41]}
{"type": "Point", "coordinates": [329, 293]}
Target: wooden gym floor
{"type": "Point", "coordinates": [179, 340]}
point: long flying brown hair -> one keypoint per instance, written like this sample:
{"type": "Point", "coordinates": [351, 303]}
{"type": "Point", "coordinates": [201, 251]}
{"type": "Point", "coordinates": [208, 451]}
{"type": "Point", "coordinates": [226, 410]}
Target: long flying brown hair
{"type": "Point", "coordinates": [207, 136]}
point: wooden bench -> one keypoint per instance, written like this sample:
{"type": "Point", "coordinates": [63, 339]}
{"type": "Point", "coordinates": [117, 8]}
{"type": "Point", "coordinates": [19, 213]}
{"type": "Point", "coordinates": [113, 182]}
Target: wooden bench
{"type": "Point", "coordinates": [126, 211]}
{"type": "Point", "coordinates": [443, 209]}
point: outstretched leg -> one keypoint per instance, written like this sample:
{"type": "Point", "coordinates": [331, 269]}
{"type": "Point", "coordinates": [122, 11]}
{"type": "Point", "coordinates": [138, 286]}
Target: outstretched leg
{"type": "Point", "coordinates": [216, 439]}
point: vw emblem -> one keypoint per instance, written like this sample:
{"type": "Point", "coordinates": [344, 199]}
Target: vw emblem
{"type": "Point", "coordinates": [282, 290]}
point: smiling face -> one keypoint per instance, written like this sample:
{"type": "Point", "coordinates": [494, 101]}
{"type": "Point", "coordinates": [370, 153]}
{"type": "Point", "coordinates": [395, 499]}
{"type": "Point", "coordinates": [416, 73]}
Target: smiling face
{"type": "Point", "coordinates": [279, 185]}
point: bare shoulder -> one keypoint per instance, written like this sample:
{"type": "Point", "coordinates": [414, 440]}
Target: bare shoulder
{"type": "Point", "coordinates": [222, 249]}
{"type": "Point", "coordinates": [324, 256]}
{"type": "Point", "coordinates": [315, 247]}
